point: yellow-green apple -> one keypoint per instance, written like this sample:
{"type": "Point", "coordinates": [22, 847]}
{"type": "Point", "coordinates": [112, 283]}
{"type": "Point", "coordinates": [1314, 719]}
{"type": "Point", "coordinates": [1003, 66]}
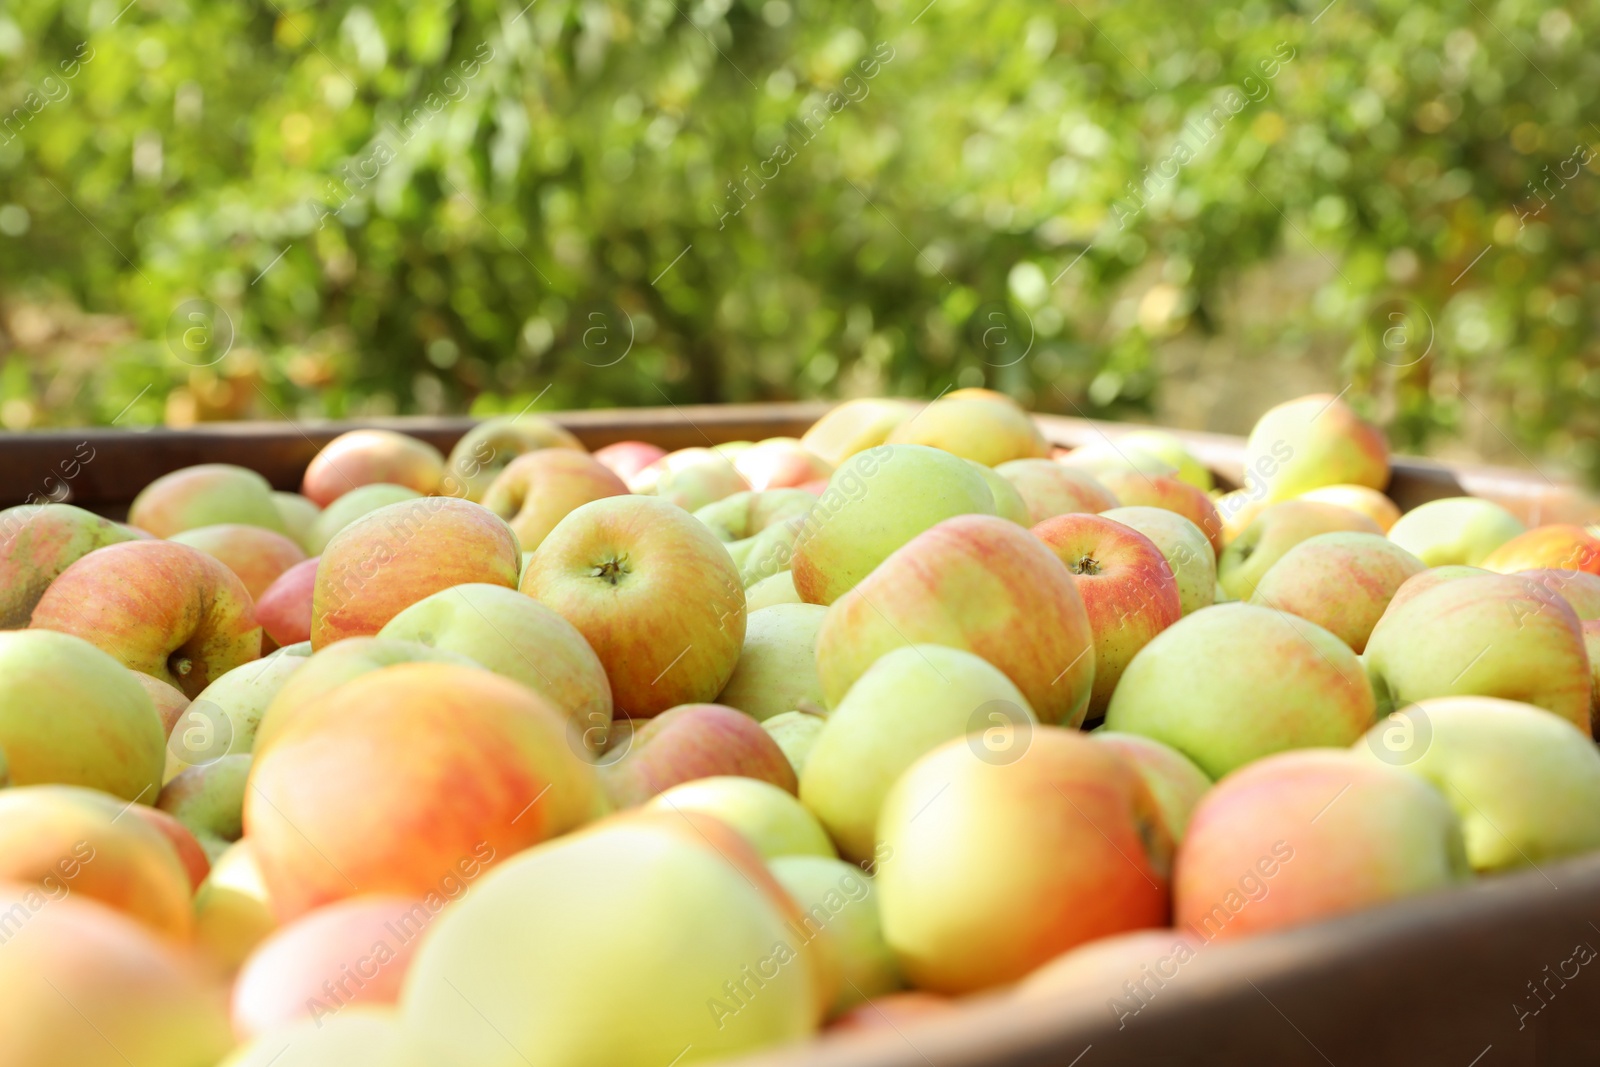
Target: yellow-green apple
{"type": "Point", "coordinates": [169, 700]}
{"type": "Point", "coordinates": [993, 868]}
{"type": "Point", "coordinates": [977, 583]}
{"type": "Point", "coordinates": [1048, 488]}
{"type": "Point", "coordinates": [686, 743]}
{"type": "Point", "coordinates": [1560, 546]}
{"type": "Point", "coordinates": [232, 912]}
{"type": "Point", "coordinates": [691, 478]}
{"type": "Point", "coordinates": [796, 732]}
{"type": "Point", "coordinates": [1578, 588]}
{"type": "Point", "coordinates": [1343, 582]}
{"type": "Point", "coordinates": [1314, 441]}
{"type": "Point", "coordinates": [365, 457]}
{"type": "Point", "coordinates": [911, 700]}
{"type": "Point", "coordinates": [780, 462]}
{"type": "Point", "coordinates": [1170, 450]}
{"type": "Point", "coordinates": [353, 952]}
{"type": "Point", "coordinates": [776, 589]}
{"type": "Point", "coordinates": [1302, 836]}
{"type": "Point", "coordinates": [538, 489]}
{"type": "Point", "coordinates": [777, 670]}
{"type": "Point", "coordinates": [1364, 499]}
{"type": "Point", "coordinates": [1524, 783]}
{"type": "Point", "coordinates": [1494, 636]}
{"type": "Point", "coordinates": [1306, 688]}
{"type": "Point", "coordinates": [391, 782]}
{"type": "Point", "coordinates": [654, 593]}
{"type": "Point", "coordinates": [874, 503]}
{"type": "Point", "coordinates": [1133, 489]}
{"type": "Point", "coordinates": [284, 608]}
{"type": "Point", "coordinates": [1418, 584]}
{"type": "Point", "coordinates": [771, 819]}
{"type": "Point", "coordinates": [976, 428]}
{"type": "Point", "coordinates": [37, 543]}
{"type": "Point", "coordinates": [337, 664]}
{"type": "Point", "coordinates": [758, 528]}
{"type": "Point", "coordinates": [68, 838]}
{"type": "Point", "coordinates": [206, 495]}
{"type": "Point", "coordinates": [71, 714]}
{"type": "Point", "coordinates": [363, 500]}
{"type": "Point", "coordinates": [483, 451]}
{"type": "Point", "coordinates": [1175, 782]}
{"type": "Point", "coordinates": [256, 555]}
{"type": "Point", "coordinates": [1276, 530]}
{"type": "Point", "coordinates": [516, 636]}
{"type": "Point", "coordinates": [1124, 972]}
{"type": "Point", "coordinates": [1128, 589]}
{"type": "Point", "coordinates": [191, 854]}
{"type": "Point", "coordinates": [627, 458]}
{"type": "Point", "coordinates": [208, 799]}
{"type": "Point", "coordinates": [1455, 530]}
{"type": "Point", "coordinates": [366, 1034]}
{"type": "Point", "coordinates": [165, 609]}
{"type": "Point", "coordinates": [224, 717]}
{"type": "Point", "coordinates": [892, 1011]}
{"type": "Point", "coordinates": [391, 558]}
{"type": "Point", "coordinates": [1112, 457]}
{"type": "Point", "coordinates": [1237, 509]}
{"type": "Point", "coordinates": [855, 426]}
{"type": "Point", "coordinates": [515, 969]}
{"type": "Point", "coordinates": [86, 987]}
{"type": "Point", "coordinates": [1008, 503]}
{"type": "Point", "coordinates": [838, 900]}
{"type": "Point", "coordinates": [299, 515]}
{"type": "Point", "coordinates": [1187, 550]}
{"type": "Point", "coordinates": [978, 392]}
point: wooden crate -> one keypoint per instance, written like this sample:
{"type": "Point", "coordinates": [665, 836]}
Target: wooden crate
{"type": "Point", "coordinates": [1445, 979]}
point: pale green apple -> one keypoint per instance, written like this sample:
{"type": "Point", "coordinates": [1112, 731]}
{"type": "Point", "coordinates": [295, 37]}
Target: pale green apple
{"type": "Point", "coordinates": [778, 589]}
{"type": "Point", "coordinates": [1275, 531]}
{"type": "Point", "coordinates": [1236, 682]}
{"type": "Point", "coordinates": [1186, 547]}
{"type": "Point", "coordinates": [771, 819]}
{"type": "Point", "coordinates": [1175, 782]}
{"type": "Point", "coordinates": [299, 516]}
{"type": "Point", "coordinates": [1167, 448]}
{"type": "Point", "coordinates": [777, 669]}
{"type": "Point", "coordinates": [796, 732]}
{"type": "Point", "coordinates": [349, 507]}
{"type": "Point", "coordinates": [222, 720]}
{"type": "Point", "coordinates": [909, 701]}
{"type": "Point", "coordinates": [1455, 530]}
{"type": "Point", "coordinates": [1525, 784]}
{"type": "Point", "coordinates": [209, 801]}
{"type": "Point", "coordinates": [743, 515]}
{"type": "Point", "coordinates": [855, 426]}
{"type": "Point", "coordinates": [1343, 582]}
{"type": "Point", "coordinates": [338, 1036]}
{"type": "Point", "coordinates": [1315, 441]}
{"type": "Point", "coordinates": [769, 552]}
{"type": "Point", "coordinates": [1112, 457]}
{"type": "Point", "coordinates": [840, 903]}
{"type": "Point", "coordinates": [1008, 503]}
{"type": "Point", "coordinates": [874, 503]}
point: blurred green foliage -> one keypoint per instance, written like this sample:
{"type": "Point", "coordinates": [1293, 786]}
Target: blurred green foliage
{"type": "Point", "coordinates": [449, 204]}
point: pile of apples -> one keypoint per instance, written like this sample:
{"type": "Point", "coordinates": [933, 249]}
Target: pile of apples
{"type": "Point", "coordinates": [531, 756]}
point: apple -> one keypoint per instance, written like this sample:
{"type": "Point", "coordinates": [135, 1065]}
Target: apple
{"type": "Point", "coordinates": [256, 555]}
{"type": "Point", "coordinates": [653, 592]}
{"type": "Point", "coordinates": [364, 457]}
{"type": "Point", "coordinates": [1174, 781]}
{"type": "Point", "coordinates": [1112, 457]}
{"type": "Point", "coordinates": [1580, 589]}
{"type": "Point", "coordinates": [1359, 498]}
{"type": "Point", "coordinates": [485, 450]}
{"type": "Point", "coordinates": [1315, 441]}
{"type": "Point", "coordinates": [771, 819]}
{"type": "Point", "coordinates": [1561, 546]}
{"type": "Point", "coordinates": [855, 426]}
{"type": "Point", "coordinates": [1048, 489]}
{"type": "Point", "coordinates": [1495, 636]}
{"type": "Point", "coordinates": [1303, 836]}
{"type": "Point", "coordinates": [284, 607]}
{"type": "Point", "coordinates": [515, 969]}
{"type": "Point", "coordinates": [1341, 581]}
{"type": "Point", "coordinates": [206, 495]}
{"type": "Point", "coordinates": [1008, 502]}
{"type": "Point", "coordinates": [757, 528]}
{"type": "Point", "coordinates": [353, 952]}
{"type": "Point", "coordinates": [299, 515]}
{"type": "Point", "coordinates": [1418, 584]}
{"type": "Point", "coordinates": [232, 912]}
{"type": "Point", "coordinates": [982, 430]}
{"type": "Point", "coordinates": [686, 743]}
{"type": "Point", "coordinates": [1188, 552]}
{"type": "Point", "coordinates": [796, 732]}
{"type": "Point", "coordinates": [224, 717]}
{"type": "Point", "coordinates": [1524, 783]}
{"type": "Point", "coordinates": [37, 543]}
{"type": "Point", "coordinates": [402, 778]}
{"type": "Point", "coordinates": [892, 1011]}
{"type": "Point", "coordinates": [68, 839]}
{"type": "Point", "coordinates": [169, 701]}
{"type": "Point", "coordinates": [776, 589]}
{"type": "Point", "coordinates": [71, 714]}
{"type": "Point", "coordinates": [977, 583]}
{"type": "Point", "coordinates": [391, 558]}
{"type": "Point", "coordinates": [362, 500]}
{"type": "Point", "coordinates": [1305, 688]}
{"type": "Point", "coordinates": [191, 854]}
{"type": "Point", "coordinates": [538, 489]}
{"type": "Point", "coordinates": [992, 868]}
{"type": "Point", "coordinates": [780, 462]}
{"type": "Point", "coordinates": [365, 1034]}
{"type": "Point", "coordinates": [839, 899]}
{"type": "Point", "coordinates": [1455, 530]}
{"type": "Point", "coordinates": [86, 987]}
{"type": "Point", "coordinates": [627, 458]}
{"type": "Point", "coordinates": [1172, 451]}
{"type": "Point", "coordinates": [162, 608]}
{"type": "Point", "coordinates": [1238, 508]}
{"type": "Point", "coordinates": [777, 670]}
{"type": "Point", "coordinates": [977, 392]}
{"type": "Point", "coordinates": [208, 800]}
{"type": "Point", "coordinates": [1276, 530]}
{"type": "Point", "coordinates": [909, 701]}
{"type": "Point", "coordinates": [1128, 589]}
{"type": "Point", "coordinates": [691, 478]}
{"type": "Point", "coordinates": [1133, 489]}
